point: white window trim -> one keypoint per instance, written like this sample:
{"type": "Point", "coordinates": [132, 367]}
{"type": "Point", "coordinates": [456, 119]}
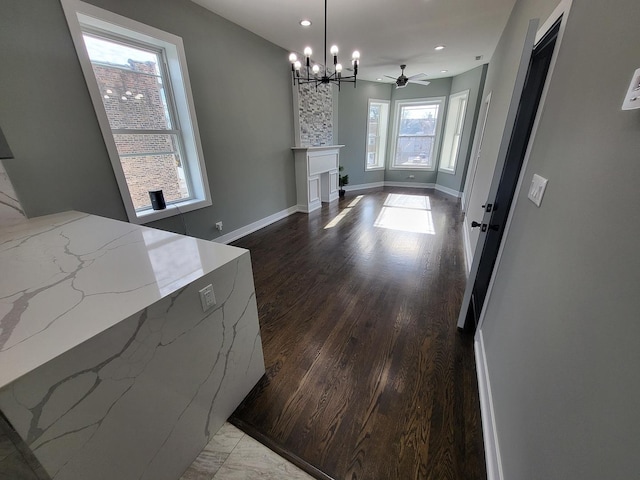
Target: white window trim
{"type": "Point", "coordinates": [464, 94]}
{"type": "Point", "coordinates": [383, 151]}
{"type": "Point", "coordinates": [78, 12]}
{"type": "Point", "coordinates": [438, 134]}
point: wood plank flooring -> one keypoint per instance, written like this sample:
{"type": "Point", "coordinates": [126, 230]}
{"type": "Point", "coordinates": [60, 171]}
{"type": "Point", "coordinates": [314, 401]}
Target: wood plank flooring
{"type": "Point", "coordinates": [367, 376]}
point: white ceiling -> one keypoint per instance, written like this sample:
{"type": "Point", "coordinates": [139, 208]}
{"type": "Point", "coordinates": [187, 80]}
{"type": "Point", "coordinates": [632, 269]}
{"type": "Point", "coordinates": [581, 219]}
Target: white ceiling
{"type": "Point", "coordinates": [386, 32]}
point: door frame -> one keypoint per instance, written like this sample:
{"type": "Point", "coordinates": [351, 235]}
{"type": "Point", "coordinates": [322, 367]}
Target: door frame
{"type": "Point", "coordinates": [470, 180]}
{"type": "Point", "coordinates": [561, 11]}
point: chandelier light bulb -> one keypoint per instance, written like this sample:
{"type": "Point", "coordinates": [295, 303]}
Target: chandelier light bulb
{"type": "Point", "coordinates": [318, 72]}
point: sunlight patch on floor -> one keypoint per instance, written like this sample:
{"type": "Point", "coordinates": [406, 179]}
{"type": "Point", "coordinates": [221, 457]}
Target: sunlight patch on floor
{"type": "Point", "coordinates": [406, 213]}
{"type": "Point", "coordinates": [343, 213]}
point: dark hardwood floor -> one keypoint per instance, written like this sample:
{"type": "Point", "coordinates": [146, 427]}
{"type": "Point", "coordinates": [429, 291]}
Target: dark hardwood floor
{"type": "Point", "coordinates": [367, 376]}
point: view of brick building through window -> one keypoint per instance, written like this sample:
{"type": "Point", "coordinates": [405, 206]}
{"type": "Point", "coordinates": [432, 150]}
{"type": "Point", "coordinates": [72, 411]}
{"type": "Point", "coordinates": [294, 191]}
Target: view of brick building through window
{"type": "Point", "coordinates": [134, 99]}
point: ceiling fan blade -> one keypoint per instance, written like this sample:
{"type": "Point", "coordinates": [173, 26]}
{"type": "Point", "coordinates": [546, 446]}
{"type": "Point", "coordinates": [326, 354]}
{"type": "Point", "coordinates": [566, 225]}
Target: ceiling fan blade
{"type": "Point", "coordinates": [393, 78]}
{"type": "Point", "coordinates": [420, 82]}
{"type": "Point", "coordinates": [418, 76]}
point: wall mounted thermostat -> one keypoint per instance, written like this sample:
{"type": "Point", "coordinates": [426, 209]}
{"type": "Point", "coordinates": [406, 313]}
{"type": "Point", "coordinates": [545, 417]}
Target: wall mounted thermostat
{"type": "Point", "coordinates": [536, 190]}
{"type": "Point", "coordinates": [632, 99]}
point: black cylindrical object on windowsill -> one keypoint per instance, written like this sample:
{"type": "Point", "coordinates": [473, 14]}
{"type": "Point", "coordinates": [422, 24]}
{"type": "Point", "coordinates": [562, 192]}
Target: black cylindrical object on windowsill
{"type": "Point", "coordinates": [157, 200]}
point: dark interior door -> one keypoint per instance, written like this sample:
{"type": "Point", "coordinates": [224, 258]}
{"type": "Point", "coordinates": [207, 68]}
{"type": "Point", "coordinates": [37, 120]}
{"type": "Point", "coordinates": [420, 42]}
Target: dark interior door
{"type": "Point", "coordinates": [497, 208]}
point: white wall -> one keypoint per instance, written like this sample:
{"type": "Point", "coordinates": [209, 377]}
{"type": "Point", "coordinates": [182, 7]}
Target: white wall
{"type": "Point", "coordinates": [562, 323]}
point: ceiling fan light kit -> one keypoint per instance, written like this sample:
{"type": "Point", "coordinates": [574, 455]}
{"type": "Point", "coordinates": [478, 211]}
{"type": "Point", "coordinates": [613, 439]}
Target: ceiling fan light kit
{"type": "Point", "coordinates": [327, 76]}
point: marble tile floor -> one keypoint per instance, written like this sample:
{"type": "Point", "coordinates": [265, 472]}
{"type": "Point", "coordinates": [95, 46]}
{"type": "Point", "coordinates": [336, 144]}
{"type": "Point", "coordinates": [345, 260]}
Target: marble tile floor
{"type": "Point", "coordinates": [233, 455]}
{"type": "Point", "coordinates": [230, 455]}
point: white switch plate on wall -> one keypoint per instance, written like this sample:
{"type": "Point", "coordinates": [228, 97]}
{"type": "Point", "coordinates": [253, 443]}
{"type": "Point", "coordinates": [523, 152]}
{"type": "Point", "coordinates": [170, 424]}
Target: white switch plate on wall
{"type": "Point", "coordinates": [632, 99]}
{"type": "Point", "coordinates": [536, 190]}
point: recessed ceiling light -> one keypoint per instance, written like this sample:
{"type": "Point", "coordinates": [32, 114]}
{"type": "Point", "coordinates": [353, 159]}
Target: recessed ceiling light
{"type": "Point", "coordinates": [305, 23]}
{"type": "Point", "coordinates": [439, 47]}
{"type": "Point", "coordinates": [444, 71]}
{"type": "Point", "coordinates": [379, 79]}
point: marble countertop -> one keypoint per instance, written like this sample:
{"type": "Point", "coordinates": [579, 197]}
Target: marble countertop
{"type": "Point", "coordinates": [67, 277]}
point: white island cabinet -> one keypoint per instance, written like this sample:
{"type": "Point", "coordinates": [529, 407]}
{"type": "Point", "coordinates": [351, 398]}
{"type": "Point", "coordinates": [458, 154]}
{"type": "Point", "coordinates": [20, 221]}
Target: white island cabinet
{"type": "Point", "coordinates": [316, 175]}
{"type": "Point", "coordinates": [109, 367]}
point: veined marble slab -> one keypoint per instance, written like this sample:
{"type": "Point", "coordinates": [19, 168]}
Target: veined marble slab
{"type": "Point", "coordinates": [67, 277]}
{"type": "Point", "coordinates": [10, 208]}
{"type": "Point", "coordinates": [109, 368]}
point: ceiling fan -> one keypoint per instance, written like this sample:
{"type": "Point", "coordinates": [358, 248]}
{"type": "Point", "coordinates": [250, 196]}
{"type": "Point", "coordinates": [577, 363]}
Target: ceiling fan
{"type": "Point", "coordinates": [402, 80]}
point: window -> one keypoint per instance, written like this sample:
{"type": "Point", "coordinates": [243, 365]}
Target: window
{"type": "Point", "coordinates": [417, 129]}
{"type": "Point", "coordinates": [453, 131]}
{"type": "Point", "coordinates": [377, 126]}
{"type": "Point", "coordinates": [139, 85]}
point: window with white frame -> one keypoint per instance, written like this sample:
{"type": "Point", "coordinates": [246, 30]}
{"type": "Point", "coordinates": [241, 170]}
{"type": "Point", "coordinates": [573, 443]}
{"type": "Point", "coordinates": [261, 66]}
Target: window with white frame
{"type": "Point", "coordinates": [453, 131]}
{"type": "Point", "coordinates": [417, 127]}
{"type": "Point", "coordinates": [138, 81]}
{"type": "Point", "coordinates": [377, 127]}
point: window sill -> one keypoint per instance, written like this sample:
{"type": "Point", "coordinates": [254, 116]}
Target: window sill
{"type": "Point", "coordinates": [444, 170]}
{"type": "Point", "coordinates": [373, 169]}
{"type": "Point", "coordinates": [146, 216]}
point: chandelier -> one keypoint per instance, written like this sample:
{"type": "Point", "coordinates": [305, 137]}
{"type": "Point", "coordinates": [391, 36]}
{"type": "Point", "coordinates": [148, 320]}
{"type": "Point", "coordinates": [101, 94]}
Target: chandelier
{"type": "Point", "coordinates": [327, 76]}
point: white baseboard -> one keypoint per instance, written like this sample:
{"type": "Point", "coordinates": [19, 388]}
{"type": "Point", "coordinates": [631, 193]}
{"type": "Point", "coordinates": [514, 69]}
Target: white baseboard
{"type": "Point", "coordinates": [489, 431]}
{"type": "Point", "coordinates": [448, 191]}
{"type": "Point", "coordinates": [252, 227]}
{"type": "Point", "coordinates": [466, 240]}
{"type": "Point", "coordinates": [440, 188]}
{"type": "Point", "coordinates": [363, 186]}
{"type": "Point", "coordinates": [409, 184]}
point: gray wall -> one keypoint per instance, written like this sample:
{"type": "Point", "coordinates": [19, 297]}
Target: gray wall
{"type": "Point", "coordinates": [61, 162]}
{"type": "Point", "coordinates": [473, 80]}
{"type": "Point", "coordinates": [562, 324]}
{"type": "Point", "coordinates": [352, 129]}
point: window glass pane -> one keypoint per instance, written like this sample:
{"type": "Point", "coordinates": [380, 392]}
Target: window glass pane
{"type": "Point", "coordinates": [377, 125]}
{"type": "Point", "coordinates": [130, 84]}
{"type": "Point", "coordinates": [152, 162]}
{"type": "Point", "coordinates": [418, 120]}
{"type": "Point", "coordinates": [414, 151]}
{"type": "Point", "coordinates": [453, 131]}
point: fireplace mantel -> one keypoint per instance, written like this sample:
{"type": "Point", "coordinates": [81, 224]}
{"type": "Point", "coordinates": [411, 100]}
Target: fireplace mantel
{"type": "Point", "coordinates": [316, 175]}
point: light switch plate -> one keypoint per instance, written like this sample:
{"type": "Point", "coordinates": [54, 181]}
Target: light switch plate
{"type": "Point", "coordinates": [632, 98]}
{"type": "Point", "coordinates": [536, 190]}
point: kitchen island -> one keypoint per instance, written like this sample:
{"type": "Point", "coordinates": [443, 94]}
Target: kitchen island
{"type": "Point", "coordinates": [109, 367]}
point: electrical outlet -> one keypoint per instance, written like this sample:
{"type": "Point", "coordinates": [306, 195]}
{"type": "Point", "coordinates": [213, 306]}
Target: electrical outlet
{"type": "Point", "coordinates": [219, 226]}
{"type": "Point", "coordinates": [207, 297]}
{"type": "Point", "coordinates": [412, 176]}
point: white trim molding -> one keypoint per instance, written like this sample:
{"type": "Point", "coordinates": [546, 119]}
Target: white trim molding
{"type": "Point", "coordinates": [363, 186]}
{"type": "Point", "coordinates": [489, 431]}
{"type": "Point", "coordinates": [448, 191]}
{"type": "Point", "coordinates": [255, 226]}
{"type": "Point", "coordinates": [410, 184]}
{"type": "Point", "coordinates": [468, 252]}
{"type": "Point", "coordinates": [435, 186]}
